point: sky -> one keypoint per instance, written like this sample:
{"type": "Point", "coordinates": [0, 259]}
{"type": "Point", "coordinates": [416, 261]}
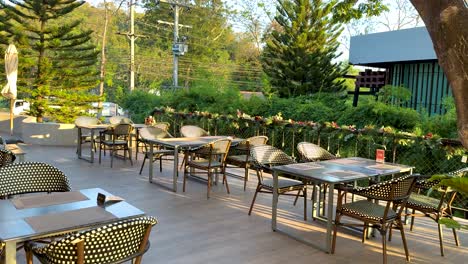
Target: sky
{"type": "Point", "coordinates": [380, 24]}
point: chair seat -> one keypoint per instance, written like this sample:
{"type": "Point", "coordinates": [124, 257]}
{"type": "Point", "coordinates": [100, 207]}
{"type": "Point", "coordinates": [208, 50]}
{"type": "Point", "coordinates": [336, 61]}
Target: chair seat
{"type": "Point", "coordinates": [283, 183]}
{"type": "Point", "coordinates": [160, 152]}
{"type": "Point", "coordinates": [238, 159]}
{"type": "Point", "coordinates": [202, 163]}
{"type": "Point", "coordinates": [423, 203]}
{"type": "Point", "coordinates": [117, 142]}
{"type": "Point", "coordinates": [368, 210]}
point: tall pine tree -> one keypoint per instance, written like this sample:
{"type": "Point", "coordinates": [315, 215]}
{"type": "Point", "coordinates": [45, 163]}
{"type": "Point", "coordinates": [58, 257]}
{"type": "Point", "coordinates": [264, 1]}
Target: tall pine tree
{"type": "Point", "coordinates": [60, 57]}
{"type": "Point", "coordinates": [300, 53]}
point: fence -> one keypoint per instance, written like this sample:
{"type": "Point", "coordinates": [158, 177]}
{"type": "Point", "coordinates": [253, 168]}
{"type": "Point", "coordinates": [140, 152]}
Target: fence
{"type": "Point", "coordinates": [427, 154]}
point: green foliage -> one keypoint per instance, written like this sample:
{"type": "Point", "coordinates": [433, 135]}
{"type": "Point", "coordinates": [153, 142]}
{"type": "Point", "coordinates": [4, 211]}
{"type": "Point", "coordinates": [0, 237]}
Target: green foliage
{"type": "Point", "coordinates": [299, 54]}
{"type": "Point", "coordinates": [57, 50]}
{"type": "Point", "coordinates": [394, 95]}
{"type": "Point", "coordinates": [444, 125]}
{"type": "Point", "coordinates": [380, 114]}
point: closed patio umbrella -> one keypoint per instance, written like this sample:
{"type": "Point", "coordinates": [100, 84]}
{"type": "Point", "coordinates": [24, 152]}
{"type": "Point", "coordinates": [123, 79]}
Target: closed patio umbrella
{"type": "Point", "coordinates": [11, 70]}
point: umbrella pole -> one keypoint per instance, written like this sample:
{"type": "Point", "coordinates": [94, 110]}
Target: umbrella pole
{"type": "Point", "coordinates": [12, 103]}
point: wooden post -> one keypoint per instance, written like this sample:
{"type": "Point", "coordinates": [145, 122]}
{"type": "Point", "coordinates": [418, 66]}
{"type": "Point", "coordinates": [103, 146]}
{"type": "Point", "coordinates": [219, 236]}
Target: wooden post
{"type": "Point", "coordinates": [12, 105]}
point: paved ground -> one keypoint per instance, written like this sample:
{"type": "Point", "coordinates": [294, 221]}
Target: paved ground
{"type": "Point", "coordinates": [193, 229]}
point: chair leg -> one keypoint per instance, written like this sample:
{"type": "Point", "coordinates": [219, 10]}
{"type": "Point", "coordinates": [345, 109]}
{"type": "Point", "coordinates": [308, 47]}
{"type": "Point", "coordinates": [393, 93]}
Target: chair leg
{"type": "Point", "coordinates": [455, 236]}
{"type": "Point", "coordinates": [185, 177]}
{"type": "Point", "coordinates": [441, 239]}
{"type": "Point", "coordinates": [403, 237]}
{"type": "Point", "coordinates": [225, 180]}
{"type": "Point", "coordinates": [129, 150]}
{"type": "Point", "coordinates": [335, 232]}
{"type": "Point", "coordinates": [390, 233]}
{"type": "Point", "coordinates": [142, 164]}
{"type": "Point", "coordinates": [209, 185]}
{"type": "Point", "coordinates": [364, 232]}
{"type": "Point", "coordinates": [29, 257]}
{"type": "Point", "coordinates": [255, 197]}
{"type": "Point", "coordinates": [160, 163]}
{"type": "Point", "coordinates": [297, 197]}
{"type": "Point", "coordinates": [112, 155]}
{"type": "Point", "coordinates": [304, 192]}
{"type": "Point", "coordinates": [383, 232]}
{"type": "Point", "coordinates": [100, 148]}
{"type": "Point", "coordinates": [412, 220]}
{"type": "Point", "coordinates": [246, 176]}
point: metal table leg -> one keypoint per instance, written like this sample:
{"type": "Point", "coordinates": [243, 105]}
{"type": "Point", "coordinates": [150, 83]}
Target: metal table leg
{"type": "Point", "coordinates": [150, 163]}
{"type": "Point", "coordinates": [175, 175]}
{"type": "Point", "coordinates": [274, 205]}
{"type": "Point", "coordinates": [331, 188]}
{"type": "Point", "coordinates": [10, 252]}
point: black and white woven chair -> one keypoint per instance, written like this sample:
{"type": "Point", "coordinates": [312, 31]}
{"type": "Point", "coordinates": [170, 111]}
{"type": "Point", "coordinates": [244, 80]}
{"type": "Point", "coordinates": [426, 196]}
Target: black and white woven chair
{"type": "Point", "coordinates": [394, 193]}
{"type": "Point", "coordinates": [113, 243]}
{"type": "Point", "coordinates": [265, 157]}
{"type": "Point", "coordinates": [31, 177]}
{"type": "Point", "coordinates": [434, 208]}
{"type": "Point", "coordinates": [6, 157]}
{"type": "Point", "coordinates": [239, 155]}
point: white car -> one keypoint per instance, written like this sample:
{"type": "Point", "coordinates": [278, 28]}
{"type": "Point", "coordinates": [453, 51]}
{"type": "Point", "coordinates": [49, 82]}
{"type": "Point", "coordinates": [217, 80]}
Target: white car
{"type": "Point", "coordinates": [21, 107]}
{"type": "Point", "coordinates": [108, 109]}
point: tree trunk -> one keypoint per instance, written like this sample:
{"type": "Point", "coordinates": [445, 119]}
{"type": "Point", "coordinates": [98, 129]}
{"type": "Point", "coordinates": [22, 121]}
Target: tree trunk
{"type": "Point", "coordinates": [447, 24]}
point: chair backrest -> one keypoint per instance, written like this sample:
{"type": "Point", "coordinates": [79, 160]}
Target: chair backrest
{"type": "Point", "coordinates": [193, 131]}
{"type": "Point", "coordinates": [112, 243]}
{"type": "Point", "coordinates": [86, 121]}
{"type": "Point", "coordinates": [31, 177]}
{"type": "Point", "coordinates": [312, 152]}
{"type": "Point", "coordinates": [162, 125]}
{"type": "Point", "coordinates": [6, 157]}
{"type": "Point", "coordinates": [114, 120]}
{"type": "Point", "coordinates": [267, 156]}
{"type": "Point", "coordinates": [152, 133]}
{"type": "Point", "coordinates": [257, 140]}
{"type": "Point", "coordinates": [122, 130]}
{"type": "Point", "coordinates": [396, 190]}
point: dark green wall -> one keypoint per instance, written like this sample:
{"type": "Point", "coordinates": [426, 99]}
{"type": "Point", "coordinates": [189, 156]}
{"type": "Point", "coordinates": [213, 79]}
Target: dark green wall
{"type": "Point", "coordinates": [427, 83]}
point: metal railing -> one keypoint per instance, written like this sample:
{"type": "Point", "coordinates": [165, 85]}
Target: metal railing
{"type": "Point", "coordinates": [428, 155]}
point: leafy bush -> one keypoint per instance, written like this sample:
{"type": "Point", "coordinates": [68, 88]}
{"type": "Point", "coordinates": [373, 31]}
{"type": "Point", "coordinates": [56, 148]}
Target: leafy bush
{"type": "Point", "coordinates": [380, 114]}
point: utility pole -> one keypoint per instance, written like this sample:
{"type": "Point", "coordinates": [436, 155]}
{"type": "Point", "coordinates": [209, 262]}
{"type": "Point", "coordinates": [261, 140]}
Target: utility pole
{"type": "Point", "coordinates": [176, 39]}
{"type": "Point", "coordinates": [132, 37]}
{"type": "Point", "coordinates": [178, 48]}
{"type": "Point", "coordinates": [132, 45]}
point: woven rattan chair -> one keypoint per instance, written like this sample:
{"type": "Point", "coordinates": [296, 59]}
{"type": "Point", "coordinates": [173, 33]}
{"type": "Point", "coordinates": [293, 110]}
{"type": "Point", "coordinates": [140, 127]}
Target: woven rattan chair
{"type": "Point", "coordinates": [265, 157]}
{"type": "Point", "coordinates": [114, 120]}
{"type": "Point", "coordinates": [86, 121]}
{"type": "Point", "coordinates": [309, 152]}
{"type": "Point", "coordinates": [193, 131]}
{"type": "Point", "coordinates": [434, 208]}
{"type": "Point", "coordinates": [31, 177]}
{"type": "Point", "coordinates": [382, 217]}
{"type": "Point", "coordinates": [212, 159]}
{"type": "Point", "coordinates": [116, 138]}
{"type": "Point", "coordinates": [162, 125]}
{"type": "Point", "coordinates": [6, 157]}
{"type": "Point", "coordinates": [148, 133]}
{"type": "Point", "coordinates": [113, 243]}
{"type": "Point", "coordinates": [241, 156]}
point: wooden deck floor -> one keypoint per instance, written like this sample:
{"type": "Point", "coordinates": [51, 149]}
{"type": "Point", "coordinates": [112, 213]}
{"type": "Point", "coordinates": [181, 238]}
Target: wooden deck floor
{"type": "Point", "coordinates": [193, 229]}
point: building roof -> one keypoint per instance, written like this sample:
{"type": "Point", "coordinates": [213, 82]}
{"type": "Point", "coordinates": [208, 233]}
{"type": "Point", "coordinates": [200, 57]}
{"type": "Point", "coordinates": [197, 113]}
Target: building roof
{"type": "Point", "coordinates": [380, 49]}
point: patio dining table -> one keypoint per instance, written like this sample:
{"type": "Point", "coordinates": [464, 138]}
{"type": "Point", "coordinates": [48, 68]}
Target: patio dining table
{"type": "Point", "coordinates": [331, 172]}
{"type": "Point", "coordinates": [93, 129]}
{"type": "Point", "coordinates": [42, 215]}
{"type": "Point", "coordinates": [181, 144]}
